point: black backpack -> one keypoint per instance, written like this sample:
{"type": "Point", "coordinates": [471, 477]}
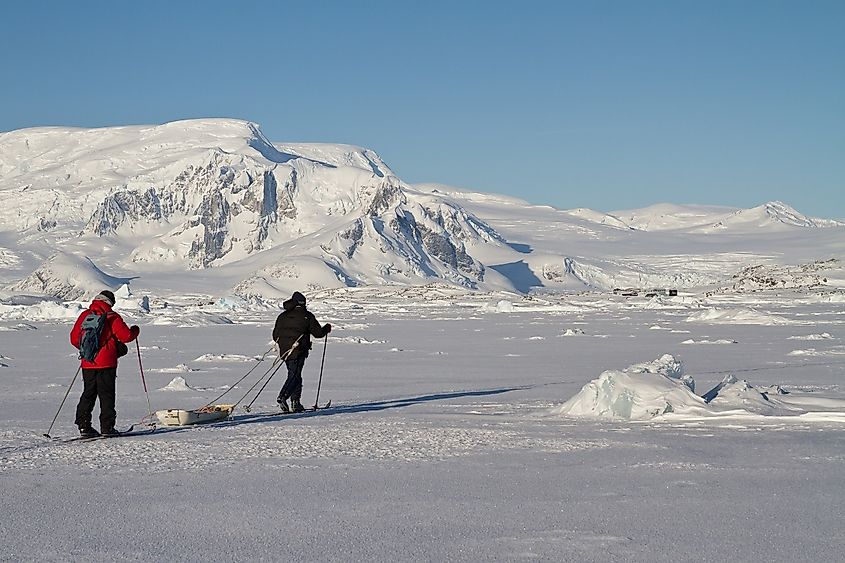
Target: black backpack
{"type": "Point", "coordinates": [92, 328]}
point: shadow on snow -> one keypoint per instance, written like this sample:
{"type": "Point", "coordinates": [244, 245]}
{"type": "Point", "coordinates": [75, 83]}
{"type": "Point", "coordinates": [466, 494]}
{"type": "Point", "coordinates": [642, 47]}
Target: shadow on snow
{"type": "Point", "coordinates": [364, 407]}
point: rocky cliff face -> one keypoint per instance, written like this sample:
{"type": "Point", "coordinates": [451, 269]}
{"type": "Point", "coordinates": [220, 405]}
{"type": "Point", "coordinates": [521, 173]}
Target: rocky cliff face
{"type": "Point", "coordinates": [223, 201]}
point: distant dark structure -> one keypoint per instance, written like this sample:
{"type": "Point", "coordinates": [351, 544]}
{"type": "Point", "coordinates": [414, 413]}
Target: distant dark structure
{"type": "Point", "coordinates": [633, 292]}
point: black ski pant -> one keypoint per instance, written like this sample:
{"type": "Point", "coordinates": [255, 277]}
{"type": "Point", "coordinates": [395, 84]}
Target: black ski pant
{"type": "Point", "coordinates": [99, 384]}
{"type": "Point", "coordinates": [292, 389]}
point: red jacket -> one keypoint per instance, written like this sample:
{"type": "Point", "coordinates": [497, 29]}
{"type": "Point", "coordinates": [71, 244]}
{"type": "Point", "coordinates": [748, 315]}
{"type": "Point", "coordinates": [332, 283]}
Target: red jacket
{"type": "Point", "coordinates": [114, 328]}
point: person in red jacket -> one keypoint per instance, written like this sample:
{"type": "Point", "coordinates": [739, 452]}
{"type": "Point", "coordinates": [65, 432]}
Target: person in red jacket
{"type": "Point", "coordinates": [99, 376]}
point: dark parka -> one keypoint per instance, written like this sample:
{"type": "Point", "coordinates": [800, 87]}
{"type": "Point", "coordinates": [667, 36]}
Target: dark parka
{"type": "Point", "coordinates": [296, 321]}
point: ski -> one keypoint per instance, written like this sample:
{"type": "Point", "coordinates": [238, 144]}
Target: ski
{"type": "Point", "coordinates": [128, 432]}
{"type": "Point", "coordinates": [282, 413]}
{"type": "Point", "coordinates": [121, 435]}
{"type": "Point", "coordinates": [309, 409]}
{"type": "Point", "coordinates": [313, 408]}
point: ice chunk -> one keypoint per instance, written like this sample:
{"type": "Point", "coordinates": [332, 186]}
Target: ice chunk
{"type": "Point", "coordinates": [41, 311]}
{"type": "Point", "coordinates": [821, 336]}
{"type": "Point", "coordinates": [572, 332]}
{"type": "Point", "coordinates": [192, 319]}
{"type": "Point", "coordinates": [632, 396]}
{"type": "Point", "coordinates": [710, 395]}
{"type": "Point", "coordinates": [178, 383]}
{"type": "Point", "coordinates": [232, 302]}
{"type": "Point", "coordinates": [665, 365]}
{"type": "Point", "coordinates": [504, 307]}
{"type": "Point", "coordinates": [123, 292]}
{"type": "Point", "coordinates": [743, 395]}
{"type": "Point", "coordinates": [740, 315]}
{"type": "Point", "coordinates": [774, 390]}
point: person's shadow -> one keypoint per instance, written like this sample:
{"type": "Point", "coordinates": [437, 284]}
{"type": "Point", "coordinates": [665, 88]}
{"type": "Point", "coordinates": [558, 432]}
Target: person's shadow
{"type": "Point", "coordinates": [251, 418]}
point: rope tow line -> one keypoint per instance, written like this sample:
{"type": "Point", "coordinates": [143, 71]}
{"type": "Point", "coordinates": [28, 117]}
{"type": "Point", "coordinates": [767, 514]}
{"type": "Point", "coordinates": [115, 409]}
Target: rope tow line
{"type": "Point", "coordinates": [235, 384]}
{"type": "Point", "coordinates": [281, 359]}
{"type": "Point", "coordinates": [276, 364]}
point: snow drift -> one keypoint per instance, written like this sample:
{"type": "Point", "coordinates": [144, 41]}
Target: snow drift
{"type": "Point", "coordinates": [660, 388]}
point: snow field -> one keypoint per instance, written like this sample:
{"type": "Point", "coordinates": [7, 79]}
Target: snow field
{"type": "Point", "coordinates": [447, 449]}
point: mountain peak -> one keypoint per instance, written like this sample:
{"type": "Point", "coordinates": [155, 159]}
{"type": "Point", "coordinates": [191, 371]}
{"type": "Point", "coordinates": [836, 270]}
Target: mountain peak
{"type": "Point", "coordinates": [161, 201]}
{"type": "Point", "coordinates": [206, 193]}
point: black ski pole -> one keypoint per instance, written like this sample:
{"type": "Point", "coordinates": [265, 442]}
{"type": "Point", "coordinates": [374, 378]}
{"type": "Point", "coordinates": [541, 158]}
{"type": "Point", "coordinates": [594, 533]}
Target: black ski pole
{"type": "Point", "coordinates": [282, 360]}
{"type": "Point", "coordinates": [320, 381]}
{"type": "Point", "coordinates": [144, 382]}
{"type": "Point", "coordinates": [72, 381]}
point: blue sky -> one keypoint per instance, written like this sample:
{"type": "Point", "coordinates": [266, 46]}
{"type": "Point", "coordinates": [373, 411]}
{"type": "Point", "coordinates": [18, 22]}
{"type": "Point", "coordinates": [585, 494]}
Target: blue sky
{"type": "Point", "coordinates": [602, 104]}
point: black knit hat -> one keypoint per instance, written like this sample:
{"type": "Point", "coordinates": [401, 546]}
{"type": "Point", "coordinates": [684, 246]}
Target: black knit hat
{"type": "Point", "coordinates": [298, 298]}
{"type": "Point", "coordinates": [108, 295]}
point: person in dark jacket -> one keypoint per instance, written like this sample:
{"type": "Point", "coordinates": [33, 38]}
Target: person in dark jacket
{"type": "Point", "coordinates": [293, 331]}
{"type": "Point", "coordinates": [99, 376]}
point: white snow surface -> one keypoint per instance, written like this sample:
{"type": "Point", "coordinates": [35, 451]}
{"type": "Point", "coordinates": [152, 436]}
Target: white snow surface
{"type": "Point", "coordinates": [482, 409]}
{"type": "Point", "coordinates": [445, 440]}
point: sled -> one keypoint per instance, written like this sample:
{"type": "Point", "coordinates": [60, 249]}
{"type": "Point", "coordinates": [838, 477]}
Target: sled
{"type": "Point", "coordinates": [210, 413]}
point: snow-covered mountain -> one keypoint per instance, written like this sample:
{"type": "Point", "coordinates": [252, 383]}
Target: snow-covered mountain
{"type": "Point", "coordinates": [667, 217]}
{"type": "Point", "coordinates": [206, 193]}
{"type": "Point", "coordinates": [212, 206]}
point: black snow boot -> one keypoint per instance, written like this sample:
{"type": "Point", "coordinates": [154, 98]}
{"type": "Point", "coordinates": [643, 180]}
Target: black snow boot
{"type": "Point", "coordinates": [296, 406]}
{"type": "Point", "coordinates": [110, 432]}
{"type": "Point", "coordinates": [87, 432]}
{"type": "Point", "coordinates": [283, 404]}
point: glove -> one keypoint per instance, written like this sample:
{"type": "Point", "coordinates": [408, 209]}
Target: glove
{"type": "Point", "coordinates": [327, 328]}
{"type": "Point", "coordinates": [135, 329]}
